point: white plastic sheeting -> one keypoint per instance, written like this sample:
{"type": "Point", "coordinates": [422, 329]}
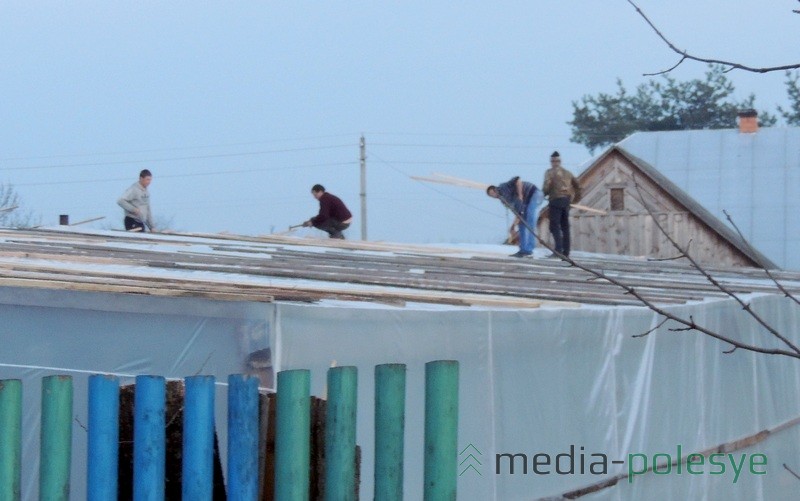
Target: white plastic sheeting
{"type": "Point", "coordinates": [46, 332]}
{"type": "Point", "coordinates": [532, 382]}
{"type": "Point", "coordinates": [540, 381]}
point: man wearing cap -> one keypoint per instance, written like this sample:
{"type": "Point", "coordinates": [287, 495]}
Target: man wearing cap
{"type": "Point", "coordinates": [333, 217]}
{"type": "Point", "coordinates": [136, 203]}
{"type": "Point", "coordinates": [561, 189]}
{"type": "Point", "coordinates": [523, 198]}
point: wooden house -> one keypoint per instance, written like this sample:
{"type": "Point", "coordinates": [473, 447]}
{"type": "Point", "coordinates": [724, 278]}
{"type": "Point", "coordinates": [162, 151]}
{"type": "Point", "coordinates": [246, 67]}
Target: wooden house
{"type": "Point", "coordinates": [637, 199]}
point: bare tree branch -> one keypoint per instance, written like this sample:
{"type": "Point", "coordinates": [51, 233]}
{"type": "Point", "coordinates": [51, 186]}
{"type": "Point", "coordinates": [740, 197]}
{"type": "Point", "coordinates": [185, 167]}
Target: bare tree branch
{"type": "Point", "coordinates": [673, 258]}
{"type": "Point", "coordinates": [710, 278]}
{"type": "Point", "coordinates": [795, 353]}
{"type": "Point", "coordinates": [784, 464]}
{"type": "Point", "coordinates": [728, 352]}
{"type": "Point", "coordinates": [685, 55]}
{"type": "Point", "coordinates": [643, 334]}
{"type": "Point", "coordinates": [769, 274]}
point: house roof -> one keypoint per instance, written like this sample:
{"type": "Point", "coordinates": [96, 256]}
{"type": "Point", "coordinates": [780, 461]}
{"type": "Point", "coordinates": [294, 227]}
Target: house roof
{"type": "Point", "coordinates": [279, 268]}
{"type": "Point", "coordinates": [754, 177]}
{"type": "Point", "coordinates": [691, 205]}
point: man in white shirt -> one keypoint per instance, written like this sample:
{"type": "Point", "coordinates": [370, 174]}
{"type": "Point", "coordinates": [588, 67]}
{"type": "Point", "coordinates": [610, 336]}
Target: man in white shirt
{"type": "Point", "coordinates": [136, 203]}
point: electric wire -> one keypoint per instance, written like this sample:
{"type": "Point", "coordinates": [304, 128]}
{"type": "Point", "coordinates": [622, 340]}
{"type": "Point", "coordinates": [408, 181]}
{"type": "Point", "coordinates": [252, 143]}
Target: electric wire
{"type": "Point", "coordinates": [475, 207]}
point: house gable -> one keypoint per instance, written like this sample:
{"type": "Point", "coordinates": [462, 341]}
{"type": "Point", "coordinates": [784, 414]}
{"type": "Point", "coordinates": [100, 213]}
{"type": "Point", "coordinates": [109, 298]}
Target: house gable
{"type": "Point", "coordinates": [629, 228]}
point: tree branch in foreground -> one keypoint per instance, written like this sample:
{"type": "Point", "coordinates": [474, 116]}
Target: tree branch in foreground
{"type": "Point", "coordinates": [770, 275]}
{"type": "Point", "coordinates": [685, 55]}
{"type": "Point", "coordinates": [794, 353]}
{"type": "Point", "coordinates": [745, 306]}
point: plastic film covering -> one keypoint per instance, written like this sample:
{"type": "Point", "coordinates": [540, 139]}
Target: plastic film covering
{"type": "Point", "coordinates": [46, 332]}
{"type": "Point", "coordinates": [574, 382]}
{"type": "Point", "coordinates": [537, 384]}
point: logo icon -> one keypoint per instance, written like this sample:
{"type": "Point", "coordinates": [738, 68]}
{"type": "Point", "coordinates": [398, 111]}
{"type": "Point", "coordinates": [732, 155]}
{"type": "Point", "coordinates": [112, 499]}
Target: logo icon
{"type": "Point", "coordinates": [469, 460]}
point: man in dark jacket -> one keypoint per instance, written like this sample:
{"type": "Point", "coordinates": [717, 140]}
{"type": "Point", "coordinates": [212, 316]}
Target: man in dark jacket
{"type": "Point", "coordinates": [333, 216]}
{"type": "Point", "coordinates": [562, 189]}
{"type": "Point", "coordinates": [523, 198]}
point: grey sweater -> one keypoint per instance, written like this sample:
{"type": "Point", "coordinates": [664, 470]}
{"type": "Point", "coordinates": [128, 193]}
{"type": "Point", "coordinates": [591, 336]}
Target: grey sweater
{"type": "Point", "coordinates": [137, 197]}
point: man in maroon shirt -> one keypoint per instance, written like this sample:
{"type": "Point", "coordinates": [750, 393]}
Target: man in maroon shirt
{"type": "Point", "coordinates": [333, 215]}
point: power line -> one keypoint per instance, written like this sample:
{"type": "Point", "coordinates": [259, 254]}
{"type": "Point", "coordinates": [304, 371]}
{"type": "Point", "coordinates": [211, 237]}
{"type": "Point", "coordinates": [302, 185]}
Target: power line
{"type": "Point", "coordinates": [172, 159]}
{"type": "Point", "coordinates": [196, 174]}
{"type": "Point", "coordinates": [473, 146]}
{"type": "Point", "coordinates": [433, 188]}
{"type": "Point", "coordinates": [177, 148]}
{"type": "Point", "coordinates": [457, 134]}
{"type": "Point", "coordinates": [456, 162]}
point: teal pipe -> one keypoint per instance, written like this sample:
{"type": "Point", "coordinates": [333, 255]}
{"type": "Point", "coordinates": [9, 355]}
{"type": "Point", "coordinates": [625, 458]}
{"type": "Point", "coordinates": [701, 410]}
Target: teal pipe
{"type": "Point", "coordinates": [441, 430]}
{"type": "Point", "coordinates": [292, 442]}
{"type": "Point", "coordinates": [10, 438]}
{"type": "Point", "coordinates": [340, 434]}
{"type": "Point", "coordinates": [56, 438]}
{"type": "Point", "coordinates": [390, 410]}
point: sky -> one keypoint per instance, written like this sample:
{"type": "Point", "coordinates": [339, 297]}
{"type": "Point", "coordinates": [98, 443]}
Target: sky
{"type": "Point", "coordinates": [238, 108]}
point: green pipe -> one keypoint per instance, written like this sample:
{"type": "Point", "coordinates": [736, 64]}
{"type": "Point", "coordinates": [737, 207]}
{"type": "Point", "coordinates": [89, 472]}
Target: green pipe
{"type": "Point", "coordinates": [340, 434]}
{"type": "Point", "coordinates": [10, 438]}
{"type": "Point", "coordinates": [441, 430]}
{"type": "Point", "coordinates": [390, 415]}
{"type": "Point", "coordinates": [56, 438]}
{"type": "Point", "coordinates": [292, 443]}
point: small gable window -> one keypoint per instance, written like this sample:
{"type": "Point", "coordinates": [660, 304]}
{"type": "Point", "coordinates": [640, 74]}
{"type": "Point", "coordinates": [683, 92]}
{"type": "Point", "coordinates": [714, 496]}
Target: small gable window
{"type": "Point", "coordinates": [617, 198]}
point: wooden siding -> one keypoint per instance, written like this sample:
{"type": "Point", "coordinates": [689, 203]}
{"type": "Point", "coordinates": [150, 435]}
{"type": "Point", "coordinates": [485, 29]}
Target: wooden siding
{"type": "Point", "coordinates": [632, 231]}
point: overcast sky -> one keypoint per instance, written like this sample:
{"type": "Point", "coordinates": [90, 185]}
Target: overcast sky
{"type": "Point", "coordinates": [240, 107]}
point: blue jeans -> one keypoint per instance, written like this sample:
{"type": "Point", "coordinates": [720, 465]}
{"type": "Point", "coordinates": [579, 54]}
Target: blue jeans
{"type": "Point", "coordinates": [527, 240]}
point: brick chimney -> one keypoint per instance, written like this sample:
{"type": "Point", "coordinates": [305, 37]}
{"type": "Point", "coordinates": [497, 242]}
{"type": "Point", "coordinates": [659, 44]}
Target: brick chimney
{"type": "Point", "coordinates": [748, 121]}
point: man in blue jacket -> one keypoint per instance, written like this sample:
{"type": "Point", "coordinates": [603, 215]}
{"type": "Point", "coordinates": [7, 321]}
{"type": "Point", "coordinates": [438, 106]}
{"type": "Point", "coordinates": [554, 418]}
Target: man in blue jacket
{"type": "Point", "coordinates": [523, 198]}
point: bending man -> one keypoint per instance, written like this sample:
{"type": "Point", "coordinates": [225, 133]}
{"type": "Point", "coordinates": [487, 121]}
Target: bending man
{"type": "Point", "coordinates": [523, 197]}
{"type": "Point", "coordinates": [333, 216]}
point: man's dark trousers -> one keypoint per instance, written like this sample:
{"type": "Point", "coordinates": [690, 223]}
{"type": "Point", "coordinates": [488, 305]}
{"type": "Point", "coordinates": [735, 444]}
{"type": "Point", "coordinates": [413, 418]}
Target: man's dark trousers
{"type": "Point", "coordinates": [333, 228]}
{"type": "Point", "coordinates": [559, 224]}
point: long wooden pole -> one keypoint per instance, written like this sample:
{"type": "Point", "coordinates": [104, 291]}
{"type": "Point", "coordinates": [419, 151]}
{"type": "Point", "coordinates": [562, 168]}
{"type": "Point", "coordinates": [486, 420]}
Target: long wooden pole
{"type": "Point", "coordinates": [363, 162]}
{"type": "Point", "coordinates": [88, 221]}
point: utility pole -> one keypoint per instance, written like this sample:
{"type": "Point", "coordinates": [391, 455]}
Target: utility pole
{"type": "Point", "coordinates": [363, 188]}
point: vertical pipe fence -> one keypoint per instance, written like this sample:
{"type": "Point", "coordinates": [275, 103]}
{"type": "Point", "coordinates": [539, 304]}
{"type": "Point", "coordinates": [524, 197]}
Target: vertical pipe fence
{"type": "Point", "coordinates": [197, 479]}
{"type": "Point", "coordinates": [340, 435]}
{"type": "Point", "coordinates": [292, 444]}
{"type": "Point", "coordinates": [103, 440]}
{"type": "Point", "coordinates": [292, 441]}
{"type": "Point", "coordinates": [56, 438]}
{"type": "Point", "coordinates": [10, 438]}
{"type": "Point", "coordinates": [390, 411]}
{"type": "Point", "coordinates": [242, 438]}
{"type": "Point", "coordinates": [149, 437]}
{"type": "Point", "coordinates": [441, 430]}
